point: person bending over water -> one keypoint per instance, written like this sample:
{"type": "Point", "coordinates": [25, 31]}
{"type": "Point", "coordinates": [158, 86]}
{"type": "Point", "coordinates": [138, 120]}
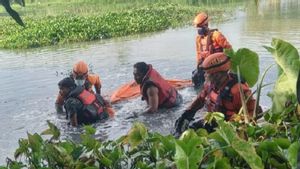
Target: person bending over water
{"type": "Point", "coordinates": [82, 106]}
{"type": "Point", "coordinates": [155, 90]}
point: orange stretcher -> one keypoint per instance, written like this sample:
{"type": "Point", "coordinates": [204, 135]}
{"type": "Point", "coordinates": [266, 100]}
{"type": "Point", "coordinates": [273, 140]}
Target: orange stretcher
{"type": "Point", "coordinates": [132, 89]}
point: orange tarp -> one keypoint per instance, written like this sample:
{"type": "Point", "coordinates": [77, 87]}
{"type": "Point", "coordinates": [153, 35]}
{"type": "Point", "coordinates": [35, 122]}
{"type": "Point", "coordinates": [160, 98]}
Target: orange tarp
{"type": "Point", "coordinates": [132, 89]}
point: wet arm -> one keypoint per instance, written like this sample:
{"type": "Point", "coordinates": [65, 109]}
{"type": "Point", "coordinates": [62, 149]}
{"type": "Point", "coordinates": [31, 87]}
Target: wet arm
{"type": "Point", "coordinates": [222, 41]}
{"type": "Point", "coordinates": [73, 106]}
{"type": "Point", "coordinates": [198, 52]}
{"type": "Point", "coordinates": [98, 88]}
{"type": "Point", "coordinates": [98, 85]}
{"type": "Point", "coordinates": [74, 121]}
{"type": "Point", "coordinates": [59, 104]}
{"type": "Point", "coordinates": [197, 104]}
{"type": "Point", "coordinates": [59, 108]}
{"type": "Point", "coordinates": [152, 94]}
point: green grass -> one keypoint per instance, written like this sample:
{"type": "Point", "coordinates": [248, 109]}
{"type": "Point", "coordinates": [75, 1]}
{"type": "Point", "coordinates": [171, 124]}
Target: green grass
{"type": "Point", "coordinates": [54, 22]}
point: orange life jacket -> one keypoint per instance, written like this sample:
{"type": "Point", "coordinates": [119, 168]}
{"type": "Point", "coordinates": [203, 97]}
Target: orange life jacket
{"type": "Point", "coordinates": [167, 94]}
{"type": "Point", "coordinates": [206, 45]}
{"type": "Point", "coordinates": [92, 80]}
{"type": "Point", "coordinates": [93, 104]}
{"type": "Point", "coordinates": [222, 101]}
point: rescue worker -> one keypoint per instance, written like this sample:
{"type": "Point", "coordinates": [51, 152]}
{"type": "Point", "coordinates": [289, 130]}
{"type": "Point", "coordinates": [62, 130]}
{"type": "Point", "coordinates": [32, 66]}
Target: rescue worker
{"type": "Point", "coordinates": [157, 92]}
{"type": "Point", "coordinates": [220, 94]}
{"type": "Point", "coordinates": [208, 41]}
{"type": "Point", "coordinates": [81, 76]}
{"type": "Point", "coordinates": [82, 106]}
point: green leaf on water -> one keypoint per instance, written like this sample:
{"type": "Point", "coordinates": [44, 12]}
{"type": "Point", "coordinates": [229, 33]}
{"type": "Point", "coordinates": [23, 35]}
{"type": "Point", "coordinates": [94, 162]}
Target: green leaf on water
{"type": "Point", "coordinates": [23, 148]}
{"type": "Point", "coordinates": [35, 142]}
{"type": "Point", "coordinates": [68, 146]}
{"type": "Point", "coordinates": [52, 130]}
{"type": "Point", "coordinates": [89, 142]}
{"type": "Point", "coordinates": [89, 130]}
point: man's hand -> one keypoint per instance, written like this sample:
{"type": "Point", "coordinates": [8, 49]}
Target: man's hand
{"type": "Point", "coordinates": [59, 108]}
{"type": "Point", "coordinates": [182, 122]}
{"type": "Point", "coordinates": [181, 125]}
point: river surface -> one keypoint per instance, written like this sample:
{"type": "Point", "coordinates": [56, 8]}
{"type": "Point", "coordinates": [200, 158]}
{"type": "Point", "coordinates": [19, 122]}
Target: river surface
{"type": "Point", "coordinates": [28, 78]}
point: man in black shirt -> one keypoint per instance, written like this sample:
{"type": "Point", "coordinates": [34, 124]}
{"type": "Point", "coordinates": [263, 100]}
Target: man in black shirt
{"type": "Point", "coordinates": [82, 106]}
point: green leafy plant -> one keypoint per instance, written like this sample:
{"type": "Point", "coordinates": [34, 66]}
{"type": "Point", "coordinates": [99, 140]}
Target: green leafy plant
{"type": "Point", "coordinates": [189, 151]}
{"type": "Point", "coordinates": [287, 58]}
{"type": "Point", "coordinates": [62, 29]}
{"type": "Point", "coordinates": [245, 60]}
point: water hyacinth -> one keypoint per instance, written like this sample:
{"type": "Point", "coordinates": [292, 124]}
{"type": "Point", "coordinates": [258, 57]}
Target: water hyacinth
{"type": "Point", "coordinates": [52, 30]}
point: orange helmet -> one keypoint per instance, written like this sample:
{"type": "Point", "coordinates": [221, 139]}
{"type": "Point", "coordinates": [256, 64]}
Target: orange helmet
{"type": "Point", "coordinates": [217, 62]}
{"type": "Point", "coordinates": [80, 68]}
{"type": "Point", "coordinates": [201, 19]}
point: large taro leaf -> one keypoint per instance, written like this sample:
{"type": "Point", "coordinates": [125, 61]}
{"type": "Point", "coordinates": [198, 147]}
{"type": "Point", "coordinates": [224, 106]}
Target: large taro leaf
{"type": "Point", "coordinates": [189, 151]}
{"type": "Point", "coordinates": [287, 58]}
{"type": "Point", "coordinates": [293, 154]}
{"type": "Point", "coordinates": [248, 63]}
{"type": "Point", "coordinates": [243, 148]}
{"type": "Point", "coordinates": [283, 92]}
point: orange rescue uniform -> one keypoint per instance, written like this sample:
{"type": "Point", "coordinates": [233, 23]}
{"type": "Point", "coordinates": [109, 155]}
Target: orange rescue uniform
{"type": "Point", "coordinates": [92, 80]}
{"type": "Point", "coordinates": [219, 101]}
{"type": "Point", "coordinates": [214, 42]}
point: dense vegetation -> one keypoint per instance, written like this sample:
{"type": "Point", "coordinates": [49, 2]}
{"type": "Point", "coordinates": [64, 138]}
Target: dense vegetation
{"type": "Point", "coordinates": [55, 22]}
{"type": "Point", "coordinates": [237, 144]}
{"type": "Point", "coordinates": [62, 29]}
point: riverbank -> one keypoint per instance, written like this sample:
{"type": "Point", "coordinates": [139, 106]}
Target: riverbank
{"type": "Point", "coordinates": [44, 30]}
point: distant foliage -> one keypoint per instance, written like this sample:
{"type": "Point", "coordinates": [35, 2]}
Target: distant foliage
{"type": "Point", "coordinates": [47, 31]}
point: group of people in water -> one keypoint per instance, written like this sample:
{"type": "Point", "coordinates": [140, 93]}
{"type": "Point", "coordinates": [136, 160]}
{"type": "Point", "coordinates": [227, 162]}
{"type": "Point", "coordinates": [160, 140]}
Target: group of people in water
{"type": "Point", "coordinates": [220, 88]}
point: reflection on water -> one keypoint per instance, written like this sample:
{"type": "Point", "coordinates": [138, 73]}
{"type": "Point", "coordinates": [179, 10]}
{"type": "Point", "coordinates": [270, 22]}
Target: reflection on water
{"type": "Point", "coordinates": [29, 78]}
